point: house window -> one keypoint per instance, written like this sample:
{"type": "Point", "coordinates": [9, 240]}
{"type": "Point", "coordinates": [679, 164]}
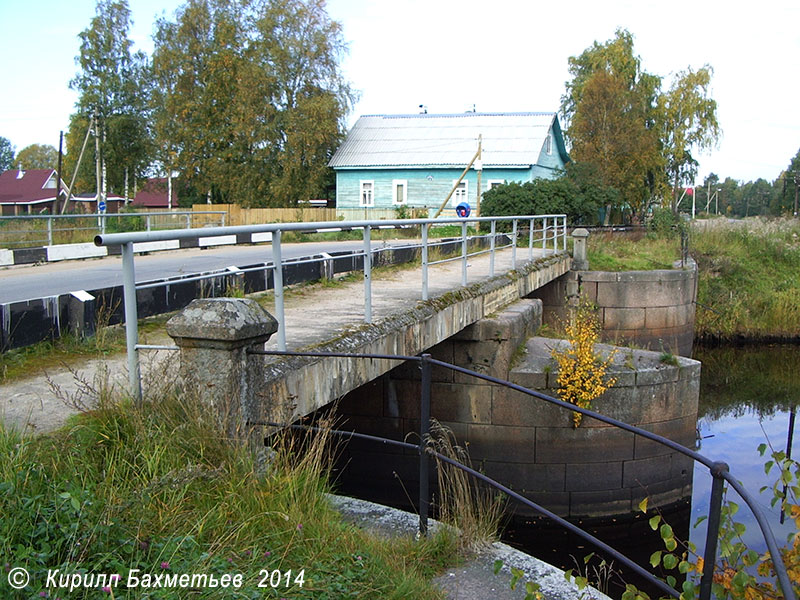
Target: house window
{"type": "Point", "coordinates": [548, 144]}
{"type": "Point", "coordinates": [460, 194]}
{"type": "Point", "coordinates": [400, 191]}
{"type": "Point", "coordinates": [367, 196]}
{"type": "Point", "coordinates": [493, 183]}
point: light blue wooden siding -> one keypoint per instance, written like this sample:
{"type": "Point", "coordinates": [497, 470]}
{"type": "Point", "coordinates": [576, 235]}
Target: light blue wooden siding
{"type": "Point", "coordinates": [427, 187]}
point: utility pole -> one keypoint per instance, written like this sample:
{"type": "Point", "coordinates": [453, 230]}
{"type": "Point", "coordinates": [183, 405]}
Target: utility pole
{"type": "Point", "coordinates": [98, 162]}
{"type": "Point", "coordinates": [58, 173]}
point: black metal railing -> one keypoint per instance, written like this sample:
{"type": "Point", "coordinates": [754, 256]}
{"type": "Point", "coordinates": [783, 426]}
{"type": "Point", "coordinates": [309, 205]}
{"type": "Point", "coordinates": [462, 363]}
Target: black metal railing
{"type": "Point", "coordinates": [720, 472]}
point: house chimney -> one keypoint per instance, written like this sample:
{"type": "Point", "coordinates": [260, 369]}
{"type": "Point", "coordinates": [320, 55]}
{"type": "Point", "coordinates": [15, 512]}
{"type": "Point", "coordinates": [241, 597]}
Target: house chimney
{"type": "Point", "coordinates": [20, 173]}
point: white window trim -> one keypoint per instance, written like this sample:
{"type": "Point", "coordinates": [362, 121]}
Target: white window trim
{"type": "Point", "coordinates": [453, 200]}
{"type": "Point", "coordinates": [395, 183]}
{"type": "Point", "coordinates": [361, 183]}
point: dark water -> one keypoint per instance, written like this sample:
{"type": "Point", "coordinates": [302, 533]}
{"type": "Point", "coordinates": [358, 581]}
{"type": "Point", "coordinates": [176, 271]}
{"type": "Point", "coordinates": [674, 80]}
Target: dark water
{"type": "Point", "coordinates": [747, 395]}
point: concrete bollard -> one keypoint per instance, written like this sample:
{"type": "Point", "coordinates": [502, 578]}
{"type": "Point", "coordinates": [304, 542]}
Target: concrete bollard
{"type": "Point", "coordinates": [213, 335]}
{"type": "Point", "coordinates": [580, 262]}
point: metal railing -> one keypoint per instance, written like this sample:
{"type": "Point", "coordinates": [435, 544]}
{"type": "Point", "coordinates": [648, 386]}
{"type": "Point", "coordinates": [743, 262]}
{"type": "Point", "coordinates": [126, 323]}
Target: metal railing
{"type": "Point", "coordinates": [547, 232]}
{"type": "Point", "coordinates": [88, 225]}
{"type": "Point", "coordinates": [719, 471]}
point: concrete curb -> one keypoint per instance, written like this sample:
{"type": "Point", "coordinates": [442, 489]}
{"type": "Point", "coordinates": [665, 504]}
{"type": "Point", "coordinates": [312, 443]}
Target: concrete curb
{"type": "Point", "coordinates": [475, 579]}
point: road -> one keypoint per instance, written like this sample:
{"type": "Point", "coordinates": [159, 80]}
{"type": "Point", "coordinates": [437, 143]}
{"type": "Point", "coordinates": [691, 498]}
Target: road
{"type": "Point", "coordinates": [37, 281]}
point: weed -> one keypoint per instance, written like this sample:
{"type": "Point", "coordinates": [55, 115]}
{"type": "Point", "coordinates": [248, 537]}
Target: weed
{"type": "Point", "coordinates": [473, 511]}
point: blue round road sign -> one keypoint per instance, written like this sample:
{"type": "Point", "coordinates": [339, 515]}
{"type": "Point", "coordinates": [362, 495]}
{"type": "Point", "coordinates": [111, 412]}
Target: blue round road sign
{"type": "Point", "coordinates": [463, 210]}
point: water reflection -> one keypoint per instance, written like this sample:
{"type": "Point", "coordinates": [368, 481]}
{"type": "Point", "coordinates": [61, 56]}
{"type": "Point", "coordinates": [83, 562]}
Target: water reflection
{"type": "Point", "coordinates": [746, 397]}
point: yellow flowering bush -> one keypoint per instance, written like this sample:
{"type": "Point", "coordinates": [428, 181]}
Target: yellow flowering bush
{"type": "Point", "coordinates": [581, 370]}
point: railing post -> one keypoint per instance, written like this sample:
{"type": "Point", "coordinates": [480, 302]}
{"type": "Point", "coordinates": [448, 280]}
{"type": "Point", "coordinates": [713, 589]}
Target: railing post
{"type": "Point", "coordinates": [424, 433]}
{"type": "Point", "coordinates": [514, 244]}
{"type": "Point", "coordinates": [464, 253]}
{"type": "Point", "coordinates": [564, 233]}
{"type": "Point", "coordinates": [367, 275]}
{"type": "Point", "coordinates": [424, 261]}
{"type": "Point", "coordinates": [188, 217]}
{"type": "Point", "coordinates": [147, 222]}
{"type": "Point", "coordinates": [277, 284]}
{"type": "Point", "coordinates": [131, 321]}
{"type": "Point", "coordinates": [530, 239]}
{"type": "Point", "coordinates": [544, 236]}
{"type": "Point", "coordinates": [50, 231]}
{"type": "Point", "coordinates": [712, 534]}
{"type": "Point", "coordinates": [491, 248]}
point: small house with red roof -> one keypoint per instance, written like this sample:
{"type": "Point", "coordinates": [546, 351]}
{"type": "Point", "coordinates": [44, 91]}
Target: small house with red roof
{"type": "Point", "coordinates": [30, 192]}
{"type": "Point", "coordinates": [155, 195]}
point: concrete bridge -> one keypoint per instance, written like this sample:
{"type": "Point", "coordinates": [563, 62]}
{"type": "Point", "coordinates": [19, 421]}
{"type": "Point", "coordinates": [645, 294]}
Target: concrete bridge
{"type": "Point", "coordinates": [214, 335]}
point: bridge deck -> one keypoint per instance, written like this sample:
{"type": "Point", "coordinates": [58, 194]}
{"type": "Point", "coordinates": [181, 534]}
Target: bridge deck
{"type": "Point", "coordinates": [315, 315]}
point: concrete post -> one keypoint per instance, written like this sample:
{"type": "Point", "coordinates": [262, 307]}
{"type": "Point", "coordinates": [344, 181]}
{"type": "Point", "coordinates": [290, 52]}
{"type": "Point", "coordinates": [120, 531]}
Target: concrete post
{"type": "Point", "coordinates": [580, 262]}
{"type": "Point", "coordinates": [213, 335]}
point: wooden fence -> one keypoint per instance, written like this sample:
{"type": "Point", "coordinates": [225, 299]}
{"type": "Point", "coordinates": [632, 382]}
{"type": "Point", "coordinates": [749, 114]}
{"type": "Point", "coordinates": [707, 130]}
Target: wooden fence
{"type": "Point", "coordinates": [237, 215]}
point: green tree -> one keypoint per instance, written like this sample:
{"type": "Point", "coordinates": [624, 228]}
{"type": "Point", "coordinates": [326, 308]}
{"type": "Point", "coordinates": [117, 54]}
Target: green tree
{"type": "Point", "coordinates": [610, 109]}
{"type": "Point", "coordinates": [38, 156]}
{"type": "Point", "coordinates": [261, 80]}
{"type": "Point", "coordinates": [789, 185]}
{"type": "Point", "coordinates": [113, 84]}
{"type": "Point", "coordinates": [6, 154]}
{"type": "Point", "coordinates": [687, 118]}
{"type": "Point", "coordinates": [544, 196]}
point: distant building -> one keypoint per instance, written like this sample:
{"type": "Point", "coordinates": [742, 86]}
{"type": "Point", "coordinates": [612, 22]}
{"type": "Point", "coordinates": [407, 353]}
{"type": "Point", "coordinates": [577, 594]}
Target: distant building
{"type": "Point", "coordinates": [87, 203]}
{"type": "Point", "coordinates": [154, 195]}
{"type": "Point", "coordinates": [30, 192]}
{"type": "Point", "coordinates": [388, 161]}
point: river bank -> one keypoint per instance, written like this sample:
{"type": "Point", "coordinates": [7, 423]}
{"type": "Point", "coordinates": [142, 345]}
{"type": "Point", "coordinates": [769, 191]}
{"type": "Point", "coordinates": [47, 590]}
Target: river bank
{"type": "Point", "coordinates": [749, 274]}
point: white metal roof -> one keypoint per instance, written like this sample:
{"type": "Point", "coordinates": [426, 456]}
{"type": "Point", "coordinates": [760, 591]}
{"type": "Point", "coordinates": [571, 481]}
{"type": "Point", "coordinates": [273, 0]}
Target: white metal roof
{"type": "Point", "coordinates": [509, 139]}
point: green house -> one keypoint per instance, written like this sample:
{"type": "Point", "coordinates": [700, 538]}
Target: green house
{"type": "Point", "coordinates": [389, 161]}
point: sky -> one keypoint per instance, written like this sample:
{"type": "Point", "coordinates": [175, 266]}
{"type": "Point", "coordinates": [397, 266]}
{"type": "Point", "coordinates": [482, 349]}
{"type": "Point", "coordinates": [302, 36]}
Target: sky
{"type": "Point", "coordinates": [451, 55]}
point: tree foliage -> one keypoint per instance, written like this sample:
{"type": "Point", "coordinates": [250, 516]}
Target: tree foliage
{"type": "Point", "coordinates": [6, 154]}
{"type": "Point", "coordinates": [637, 137]}
{"type": "Point", "coordinates": [38, 156]}
{"type": "Point", "coordinates": [113, 86]}
{"type": "Point", "coordinates": [610, 108]}
{"type": "Point", "coordinates": [260, 79]}
{"type": "Point", "coordinates": [687, 118]}
{"type": "Point", "coordinates": [545, 196]}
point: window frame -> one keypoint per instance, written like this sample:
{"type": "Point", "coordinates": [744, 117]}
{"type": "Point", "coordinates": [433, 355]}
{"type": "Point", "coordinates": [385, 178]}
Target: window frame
{"type": "Point", "coordinates": [371, 184]}
{"type": "Point", "coordinates": [395, 184]}
{"type": "Point", "coordinates": [454, 201]}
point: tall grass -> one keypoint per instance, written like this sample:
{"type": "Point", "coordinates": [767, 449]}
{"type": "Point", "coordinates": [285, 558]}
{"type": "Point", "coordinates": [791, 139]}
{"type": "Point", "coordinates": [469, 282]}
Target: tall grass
{"type": "Point", "coordinates": [160, 489]}
{"type": "Point", "coordinates": [749, 280]}
{"type": "Point", "coordinates": [474, 511]}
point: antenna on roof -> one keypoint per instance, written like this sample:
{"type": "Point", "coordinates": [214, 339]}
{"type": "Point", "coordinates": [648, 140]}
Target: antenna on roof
{"type": "Point", "coordinates": [423, 110]}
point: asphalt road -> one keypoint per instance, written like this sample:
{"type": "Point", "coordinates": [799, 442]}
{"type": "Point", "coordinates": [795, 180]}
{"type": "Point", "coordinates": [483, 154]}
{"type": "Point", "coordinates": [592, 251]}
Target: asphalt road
{"type": "Point", "coordinates": [37, 281]}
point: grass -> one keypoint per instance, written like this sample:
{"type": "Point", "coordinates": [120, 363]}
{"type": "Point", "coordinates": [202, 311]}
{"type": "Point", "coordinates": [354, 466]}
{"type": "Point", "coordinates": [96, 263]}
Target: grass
{"type": "Point", "coordinates": [69, 349]}
{"type": "Point", "coordinates": [612, 252]}
{"type": "Point", "coordinates": [749, 280]}
{"type": "Point", "coordinates": [158, 488]}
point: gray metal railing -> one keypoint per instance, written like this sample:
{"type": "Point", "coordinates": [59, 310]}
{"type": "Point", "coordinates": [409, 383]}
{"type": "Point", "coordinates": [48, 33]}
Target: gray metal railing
{"type": "Point", "coordinates": [56, 225]}
{"type": "Point", "coordinates": [719, 471]}
{"type": "Point", "coordinates": [550, 231]}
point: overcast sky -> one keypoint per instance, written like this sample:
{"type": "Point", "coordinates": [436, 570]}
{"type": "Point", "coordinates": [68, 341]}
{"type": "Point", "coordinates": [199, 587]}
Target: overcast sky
{"type": "Point", "coordinates": [498, 55]}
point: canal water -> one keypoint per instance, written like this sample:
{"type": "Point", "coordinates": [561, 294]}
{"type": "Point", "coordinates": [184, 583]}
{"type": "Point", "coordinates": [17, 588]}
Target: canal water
{"type": "Point", "coordinates": [747, 397]}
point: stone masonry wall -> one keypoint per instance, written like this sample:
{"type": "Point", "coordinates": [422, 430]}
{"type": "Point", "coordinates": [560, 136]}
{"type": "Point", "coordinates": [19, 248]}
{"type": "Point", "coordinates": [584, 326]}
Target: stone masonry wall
{"type": "Point", "coordinates": [523, 442]}
{"type": "Point", "coordinates": [650, 309]}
